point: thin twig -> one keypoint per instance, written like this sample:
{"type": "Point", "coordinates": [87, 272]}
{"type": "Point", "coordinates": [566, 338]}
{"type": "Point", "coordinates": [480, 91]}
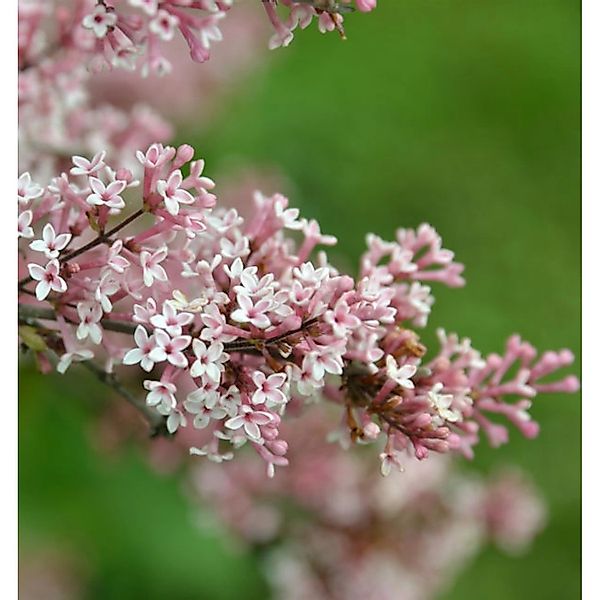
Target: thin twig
{"type": "Point", "coordinates": [158, 424]}
{"type": "Point", "coordinates": [156, 421]}
{"type": "Point", "coordinates": [26, 311]}
{"type": "Point", "coordinates": [101, 239]}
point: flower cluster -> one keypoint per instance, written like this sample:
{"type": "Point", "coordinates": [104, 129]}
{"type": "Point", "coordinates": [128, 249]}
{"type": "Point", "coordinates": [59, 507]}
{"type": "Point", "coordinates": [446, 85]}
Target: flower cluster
{"type": "Point", "coordinates": [328, 13]}
{"type": "Point", "coordinates": [232, 320]}
{"type": "Point", "coordinates": [131, 34]}
{"type": "Point", "coordinates": [348, 534]}
{"type": "Point", "coordinates": [58, 116]}
{"type": "Point", "coordinates": [62, 42]}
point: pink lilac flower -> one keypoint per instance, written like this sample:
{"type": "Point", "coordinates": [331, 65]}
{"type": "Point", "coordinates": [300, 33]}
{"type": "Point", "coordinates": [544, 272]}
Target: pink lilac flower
{"type": "Point", "coordinates": [172, 194]}
{"type": "Point", "coordinates": [141, 354]}
{"type": "Point", "coordinates": [164, 25]}
{"type": "Point", "coordinates": [366, 5]}
{"type": "Point", "coordinates": [90, 314]}
{"type": "Point", "coordinates": [251, 421]}
{"type": "Point", "coordinates": [341, 320]}
{"type": "Point", "coordinates": [48, 278]}
{"type": "Point", "coordinates": [251, 312]}
{"type": "Point", "coordinates": [401, 375]}
{"type": "Point", "coordinates": [332, 552]}
{"type": "Point", "coordinates": [205, 408]}
{"type": "Point", "coordinates": [27, 190]}
{"type": "Point", "coordinates": [170, 349]}
{"type": "Point", "coordinates": [161, 395]}
{"type": "Point", "coordinates": [150, 262]}
{"type": "Point", "coordinates": [250, 321]}
{"type": "Point", "coordinates": [51, 244]}
{"type": "Point", "coordinates": [24, 227]}
{"type": "Point", "coordinates": [106, 195]}
{"type": "Point", "coordinates": [268, 389]}
{"type": "Point", "coordinates": [83, 166]}
{"type": "Point", "coordinates": [209, 361]}
{"type": "Point", "coordinates": [170, 320]}
{"type": "Point", "coordinates": [100, 20]}
{"type": "Point", "coordinates": [143, 314]}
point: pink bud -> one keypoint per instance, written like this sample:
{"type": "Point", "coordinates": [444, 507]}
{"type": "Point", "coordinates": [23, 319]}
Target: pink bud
{"type": "Point", "coordinates": [278, 447]}
{"type": "Point", "coordinates": [185, 153]}
{"type": "Point", "coordinates": [366, 5]}
{"type": "Point", "coordinates": [371, 430]}
{"type": "Point", "coordinates": [124, 175]}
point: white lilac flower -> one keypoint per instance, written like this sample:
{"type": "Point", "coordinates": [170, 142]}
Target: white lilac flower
{"type": "Point", "coordinates": [172, 194]}
{"type": "Point", "coordinates": [390, 459]}
{"type": "Point", "coordinates": [205, 407]}
{"type": "Point", "coordinates": [268, 389]}
{"type": "Point", "coordinates": [161, 395]}
{"type": "Point", "coordinates": [164, 25]}
{"type": "Point", "coordinates": [107, 286]}
{"type": "Point", "coordinates": [83, 166]}
{"type": "Point", "coordinates": [90, 314]}
{"type": "Point", "coordinates": [115, 261]}
{"type": "Point", "coordinates": [74, 356]}
{"type": "Point", "coordinates": [176, 420]}
{"type": "Point", "coordinates": [209, 361]}
{"type": "Point", "coordinates": [106, 195]}
{"type": "Point", "coordinates": [250, 420]}
{"type": "Point", "coordinates": [251, 312]}
{"type": "Point", "coordinates": [170, 349]}
{"type": "Point", "coordinates": [48, 279]}
{"type": "Point", "coordinates": [27, 190]}
{"type": "Point", "coordinates": [50, 244]}
{"type": "Point", "coordinates": [24, 225]}
{"type": "Point", "coordinates": [401, 375]}
{"type": "Point", "coordinates": [150, 262]}
{"type": "Point", "coordinates": [100, 20]}
{"type": "Point", "coordinates": [442, 404]}
{"type": "Point", "coordinates": [146, 344]}
{"type": "Point", "coordinates": [170, 320]}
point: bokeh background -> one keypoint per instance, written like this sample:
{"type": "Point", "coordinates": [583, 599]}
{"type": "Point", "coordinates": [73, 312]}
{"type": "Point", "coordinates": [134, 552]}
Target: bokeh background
{"type": "Point", "coordinates": [461, 113]}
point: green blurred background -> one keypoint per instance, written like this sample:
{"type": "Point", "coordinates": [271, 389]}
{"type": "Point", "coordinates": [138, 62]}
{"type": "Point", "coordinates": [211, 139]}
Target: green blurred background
{"type": "Point", "coordinates": [461, 113]}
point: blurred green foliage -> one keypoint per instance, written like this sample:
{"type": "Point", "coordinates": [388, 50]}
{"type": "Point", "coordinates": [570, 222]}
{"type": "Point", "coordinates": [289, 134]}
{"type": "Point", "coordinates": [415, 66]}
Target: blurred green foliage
{"type": "Point", "coordinates": [461, 113]}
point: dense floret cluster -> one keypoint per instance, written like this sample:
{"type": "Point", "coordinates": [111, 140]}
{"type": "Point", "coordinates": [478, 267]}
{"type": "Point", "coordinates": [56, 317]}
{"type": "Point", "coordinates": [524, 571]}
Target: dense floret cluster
{"type": "Point", "coordinates": [131, 267]}
{"type": "Point", "coordinates": [232, 319]}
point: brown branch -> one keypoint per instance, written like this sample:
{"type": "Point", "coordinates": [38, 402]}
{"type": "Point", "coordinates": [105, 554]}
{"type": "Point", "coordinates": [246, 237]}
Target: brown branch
{"type": "Point", "coordinates": [156, 421]}
{"type": "Point", "coordinates": [101, 239]}
{"type": "Point", "coordinates": [26, 311]}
